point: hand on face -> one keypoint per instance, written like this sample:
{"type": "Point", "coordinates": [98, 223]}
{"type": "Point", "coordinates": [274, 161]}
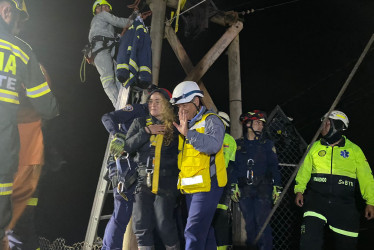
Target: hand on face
{"type": "Point", "coordinates": [183, 122]}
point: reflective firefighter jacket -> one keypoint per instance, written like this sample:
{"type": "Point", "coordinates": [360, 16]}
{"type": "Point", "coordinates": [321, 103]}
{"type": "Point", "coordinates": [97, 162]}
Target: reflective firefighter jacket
{"type": "Point", "coordinates": [18, 66]}
{"type": "Point", "coordinates": [134, 60]}
{"type": "Point", "coordinates": [203, 144]}
{"type": "Point", "coordinates": [334, 172]}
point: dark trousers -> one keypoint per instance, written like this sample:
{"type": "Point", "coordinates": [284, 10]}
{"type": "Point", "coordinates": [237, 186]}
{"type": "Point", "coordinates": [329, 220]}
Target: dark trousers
{"type": "Point", "coordinates": [342, 219]}
{"type": "Point", "coordinates": [199, 232]}
{"type": "Point", "coordinates": [152, 211]}
{"type": "Point", "coordinates": [116, 227]}
{"type": "Point", "coordinates": [255, 204]}
{"type": "Point", "coordinates": [222, 221]}
{"type": "Point", "coordinates": [5, 205]}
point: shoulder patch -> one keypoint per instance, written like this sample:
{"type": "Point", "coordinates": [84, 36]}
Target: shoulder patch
{"type": "Point", "coordinates": [322, 153]}
{"type": "Point", "coordinates": [128, 107]}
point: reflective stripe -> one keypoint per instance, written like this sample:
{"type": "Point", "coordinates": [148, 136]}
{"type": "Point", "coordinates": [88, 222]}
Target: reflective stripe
{"type": "Point", "coordinates": [192, 180]}
{"type": "Point", "coordinates": [343, 232]}
{"type": "Point", "coordinates": [9, 96]}
{"type": "Point", "coordinates": [198, 125]}
{"type": "Point", "coordinates": [38, 91]}
{"type": "Point", "coordinates": [314, 214]}
{"type": "Point", "coordinates": [32, 202]}
{"type": "Point", "coordinates": [145, 68]}
{"type": "Point", "coordinates": [134, 65]}
{"type": "Point", "coordinates": [6, 188]}
{"type": "Point", "coordinates": [129, 48]}
{"type": "Point", "coordinates": [15, 50]}
{"type": "Point", "coordinates": [125, 83]}
{"type": "Point", "coordinates": [123, 66]}
{"type": "Point", "coordinates": [104, 80]}
{"type": "Point", "coordinates": [222, 206]}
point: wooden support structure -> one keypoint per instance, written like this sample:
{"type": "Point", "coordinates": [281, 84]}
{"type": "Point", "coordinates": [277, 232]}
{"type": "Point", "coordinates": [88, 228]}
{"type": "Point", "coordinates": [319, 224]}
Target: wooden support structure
{"type": "Point", "coordinates": [235, 90]}
{"type": "Point", "coordinates": [158, 8]}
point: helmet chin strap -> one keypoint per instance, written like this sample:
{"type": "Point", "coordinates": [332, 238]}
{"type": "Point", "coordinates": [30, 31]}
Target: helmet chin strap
{"type": "Point", "coordinates": [257, 133]}
{"type": "Point", "coordinates": [333, 135]}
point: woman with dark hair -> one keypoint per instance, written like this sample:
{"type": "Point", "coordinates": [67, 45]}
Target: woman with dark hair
{"type": "Point", "coordinates": [154, 140]}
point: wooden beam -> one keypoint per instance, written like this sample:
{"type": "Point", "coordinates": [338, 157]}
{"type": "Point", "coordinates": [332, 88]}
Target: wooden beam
{"type": "Point", "coordinates": [202, 67]}
{"type": "Point", "coordinates": [235, 88]}
{"type": "Point", "coordinates": [158, 8]}
{"type": "Point", "coordinates": [187, 64]}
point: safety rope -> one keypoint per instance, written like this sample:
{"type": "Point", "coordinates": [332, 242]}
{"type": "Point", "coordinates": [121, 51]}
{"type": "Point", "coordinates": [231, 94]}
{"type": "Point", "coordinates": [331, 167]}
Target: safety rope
{"type": "Point", "coordinates": [336, 101]}
{"type": "Point", "coordinates": [83, 68]}
{"type": "Point", "coordinates": [250, 11]}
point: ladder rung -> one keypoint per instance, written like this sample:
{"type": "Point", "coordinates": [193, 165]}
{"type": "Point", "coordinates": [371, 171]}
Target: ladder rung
{"type": "Point", "coordinates": [105, 217]}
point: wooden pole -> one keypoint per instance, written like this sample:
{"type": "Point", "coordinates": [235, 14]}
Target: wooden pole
{"type": "Point", "coordinates": [187, 64]}
{"type": "Point", "coordinates": [235, 88]}
{"type": "Point", "coordinates": [202, 67]}
{"type": "Point", "coordinates": [158, 8]}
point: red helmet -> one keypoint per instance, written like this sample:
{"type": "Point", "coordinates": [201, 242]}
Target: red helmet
{"type": "Point", "coordinates": [253, 115]}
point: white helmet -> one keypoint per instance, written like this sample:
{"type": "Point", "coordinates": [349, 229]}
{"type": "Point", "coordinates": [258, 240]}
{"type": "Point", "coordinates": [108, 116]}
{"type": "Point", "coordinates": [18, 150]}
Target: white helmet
{"type": "Point", "coordinates": [338, 115]}
{"type": "Point", "coordinates": [225, 118]}
{"type": "Point", "coordinates": [185, 91]}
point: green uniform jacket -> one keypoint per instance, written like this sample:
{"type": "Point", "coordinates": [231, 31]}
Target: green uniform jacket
{"type": "Point", "coordinates": [333, 172]}
{"type": "Point", "coordinates": [19, 72]}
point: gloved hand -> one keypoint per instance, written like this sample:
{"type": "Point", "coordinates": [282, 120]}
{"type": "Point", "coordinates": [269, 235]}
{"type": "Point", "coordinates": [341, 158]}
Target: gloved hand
{"type": "Point", "coordinates": [117, 144]}
{"type": "Point", "coordinates": [277, 190]}
{"type": "Point", "coordinates": [235, 192]}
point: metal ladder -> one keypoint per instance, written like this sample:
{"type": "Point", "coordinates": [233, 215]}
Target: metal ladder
{"type": "Point", "coordinates": [102, 186]}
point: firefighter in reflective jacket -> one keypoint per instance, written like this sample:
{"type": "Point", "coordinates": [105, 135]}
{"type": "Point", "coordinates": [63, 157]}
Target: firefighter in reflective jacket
{"type": "Point", "coordinates": [18, 65]}
{"type": "Point", "coordinates": [202, 175]}
{"type": "Point", "coordinates": [222, 221]}
{"type": "Point", "coordinates": [331, 171]}
{"type": "Point", "coordinates": [255, 178]}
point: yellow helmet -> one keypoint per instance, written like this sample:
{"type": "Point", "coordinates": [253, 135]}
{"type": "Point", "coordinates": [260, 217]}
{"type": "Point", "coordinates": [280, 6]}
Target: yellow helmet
{"type": "Point", "coordinates": [100, 2]}
{"type": "Point", "coordinates": [21, 6]}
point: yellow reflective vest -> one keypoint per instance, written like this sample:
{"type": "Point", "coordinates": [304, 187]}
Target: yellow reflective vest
{"type": "Point", "coordinates": [195, 174]}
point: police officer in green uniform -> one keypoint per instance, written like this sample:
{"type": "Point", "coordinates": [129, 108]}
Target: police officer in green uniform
{"type": "Point", "coordinates": [332, 170]}
{"type": "Point", "coordinates": [19, 69]}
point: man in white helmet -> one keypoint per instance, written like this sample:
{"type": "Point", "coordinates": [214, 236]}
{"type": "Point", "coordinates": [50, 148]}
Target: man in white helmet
{"type": "Point", "coordinates": [332, 170]}
{"type": "Point", "coordinates": [102, 38]}
{"type": "Point", "coordinates": [201, 162]}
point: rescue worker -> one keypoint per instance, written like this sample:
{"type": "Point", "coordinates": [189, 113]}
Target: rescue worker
{"type": "Point", "coordinates": [256, 178]}
{"type": "Point", "coordinates": [21, 229]}
{"type": "Point", "coordinates": [19, 66]}
{"type": "Point", "coordinates": [117, 123]}
{"type": "Point", "coordinates": [222, 221]}
{"type": "Point", "coordinates": [154, 139]}
{"type": "Point", "coordinates": [332, 170]}
{"type": "Point", "coordinates": [202, 175]}
{"type": "Point", "coordinates": [102, 39]}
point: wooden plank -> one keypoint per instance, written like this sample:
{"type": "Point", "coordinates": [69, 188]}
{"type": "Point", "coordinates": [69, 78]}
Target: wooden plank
{"type": "Point", "coordinates": [202, 67]}
{"type": "Point", "coordinates": [186, 63]}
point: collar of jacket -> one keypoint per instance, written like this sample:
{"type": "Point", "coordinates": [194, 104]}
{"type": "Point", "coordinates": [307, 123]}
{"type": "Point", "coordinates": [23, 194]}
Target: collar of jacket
{"type": "Point", "coordinates": [4, 26]}
{"type": "Point", "coordinates": [340, 144]}
{"type": "Point", "coordinates": [197, 117]}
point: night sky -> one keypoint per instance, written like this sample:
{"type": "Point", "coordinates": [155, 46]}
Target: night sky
{"type": "Point", "coordinates": [297, 56]}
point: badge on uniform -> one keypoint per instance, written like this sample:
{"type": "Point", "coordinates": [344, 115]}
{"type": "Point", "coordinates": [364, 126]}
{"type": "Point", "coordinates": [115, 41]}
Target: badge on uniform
{"type": "Point", "coordinates": [322, 153]}
{"type": "Point", "coordinates": [128, 107]}
{"type": "Point", "coordinates": [344, 153]}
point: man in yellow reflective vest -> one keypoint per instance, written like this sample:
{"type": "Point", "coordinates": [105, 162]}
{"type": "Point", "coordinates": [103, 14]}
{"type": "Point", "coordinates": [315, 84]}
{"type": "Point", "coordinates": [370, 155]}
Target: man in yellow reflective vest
{"type": "Point", "coordinates": [202, 175]}
{"type": "Point", "coordinates": [18, 65]}
{"type": "Point", "coordinates": [332, 170]}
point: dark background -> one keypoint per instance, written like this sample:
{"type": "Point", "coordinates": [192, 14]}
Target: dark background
{"type": "Point", "coordinates": [296, 55]}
